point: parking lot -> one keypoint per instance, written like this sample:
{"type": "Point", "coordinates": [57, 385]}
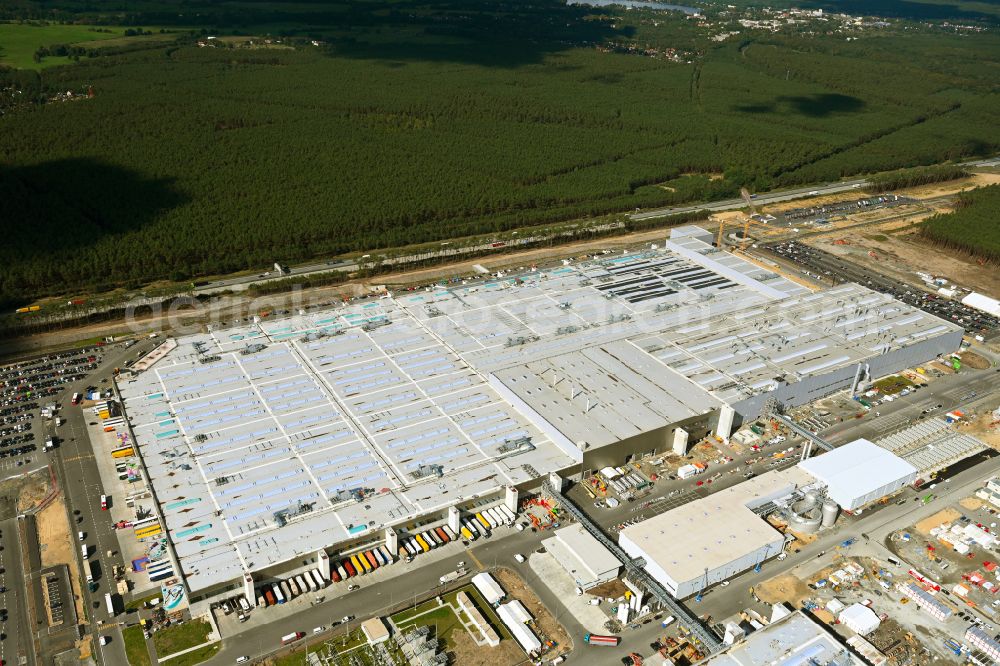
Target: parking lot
{"type": "Point", "coordinates": [826, 267]}
{"type": "Point", "coordinates": [28, 411]}
{"type": "Point", "coordinates": [826, 213]}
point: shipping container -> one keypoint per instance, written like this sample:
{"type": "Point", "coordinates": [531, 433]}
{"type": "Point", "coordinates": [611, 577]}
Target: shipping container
{"type": "Point", "coordinates": [377, 552]}
{"type": "Point", "coordinates": [431, 538]}
{"type": "Point", "coordinates": [472, 526]}
{"type": "Point", "coordinates": [483, 522]}
{"type": "Point", "coordinates": [371, 559]}
{"type": "Point", "coordinates": [359, 565]}
{"type": "Point", "coordinates": [349, 567]}
{"type": "Point", "coordinates": [424, 546]}
{"type": "Point", "coordinates": [385, 554]}
{"type": "Point", "coordinates": [269, 596]}
{"type": "Point", "coordinates": [442, 534]}
{"type": "Point", "coordinates": [335, 574]}
{"type": "Point", "coordinates": [467, 534]}
{"type": "Point", "coordinates": [279, 595]}
{"type": "Point", "coordinates": [293, 587]}
{"type": "Point", "coordinates": [286, 589]}
{"type": "Point", "coordinates": [450, 532]}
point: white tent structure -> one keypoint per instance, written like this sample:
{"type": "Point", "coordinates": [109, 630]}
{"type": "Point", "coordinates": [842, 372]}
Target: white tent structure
{"type": "Point", "coordinates": [859, 619]}
{"type": "Point", "coordinates": [859, 473]}
{"type": "Point", "coordinates": [489, 588]}
{"type": "Point", "coordinates": [522, 633]}
{"type": "Point", "coordinates": [982, 303]}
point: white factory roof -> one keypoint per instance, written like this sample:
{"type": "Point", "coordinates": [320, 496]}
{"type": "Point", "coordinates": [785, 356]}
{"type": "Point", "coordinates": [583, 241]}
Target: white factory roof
{"type": "Point", "coordinates": [856, 470]}
{"type": "Point", "coordinates": [931, 445]}
{"type": "Point", "coordinates": [266, 441]}
{"type": "Point", "coordinates": [715, 530]}
{"type": "Point", "coordinates": [794, 640]}
{"type": "Point", "coordinates": [581, 553]}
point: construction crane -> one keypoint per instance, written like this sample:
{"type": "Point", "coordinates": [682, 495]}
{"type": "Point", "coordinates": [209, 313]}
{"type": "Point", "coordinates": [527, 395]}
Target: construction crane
{"type": "Point", "coordinates": [747, 221]}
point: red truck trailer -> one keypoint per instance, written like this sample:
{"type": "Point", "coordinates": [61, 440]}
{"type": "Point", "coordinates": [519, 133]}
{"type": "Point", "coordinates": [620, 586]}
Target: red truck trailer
{"type": "Point", "coordinates": [596, 639]}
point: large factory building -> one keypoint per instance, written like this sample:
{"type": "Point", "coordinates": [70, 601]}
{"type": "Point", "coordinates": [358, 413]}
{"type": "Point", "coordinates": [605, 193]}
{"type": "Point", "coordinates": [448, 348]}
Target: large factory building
{"type": "Point", "coordinates": [269, 444]}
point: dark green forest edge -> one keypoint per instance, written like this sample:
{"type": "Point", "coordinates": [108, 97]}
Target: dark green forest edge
{"type": "Point", "coordinates": [311, 129]}
{"type": "Point", "coordinates": [972, 228]}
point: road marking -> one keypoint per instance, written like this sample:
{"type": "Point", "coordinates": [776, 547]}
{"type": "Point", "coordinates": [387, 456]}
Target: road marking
{"type": "Point", "coordinates": [475, 559]}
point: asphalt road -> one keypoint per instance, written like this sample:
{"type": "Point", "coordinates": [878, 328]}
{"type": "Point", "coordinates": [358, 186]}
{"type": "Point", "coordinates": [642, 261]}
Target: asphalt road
{"type": "Point", "coordinates": [17, 641]}
{"type": "Point", "coordinates": [759, 200]}
{"type": "Point", "coordinates": [78, 476]}
{"type": "Point", "coordinates": [950, 391]}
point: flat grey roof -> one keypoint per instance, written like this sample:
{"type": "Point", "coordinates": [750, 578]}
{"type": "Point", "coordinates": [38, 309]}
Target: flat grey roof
{"type": "Point", "coordinates": [576, 549]}
{"type": "Point", "coordinates": [791, 641]}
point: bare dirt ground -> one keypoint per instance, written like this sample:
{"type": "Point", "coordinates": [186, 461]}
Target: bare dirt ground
{"type": "Point", "coordinates": [944, 516]}
{"type": "Point", "coordinates": [786, 587]}
{"type": "Point", "coordinates": [971, 503]}
{"type": "Point", "coordinates": [56, 545]}
{"type": "Point", "coordinates": [545, 622]}
{"type": "Point", "coordinates": [467, 653]}
{"type": "Point", "coordinates": [985, 429]}
{"type": "Point", "coordinates": [53, 535]}
{"type": "Point", "coordinates": [902, 252]}
{"type": "Point", "coordinates": [32, 490]}
{"type": "Point", "coordinates": [951, 187]}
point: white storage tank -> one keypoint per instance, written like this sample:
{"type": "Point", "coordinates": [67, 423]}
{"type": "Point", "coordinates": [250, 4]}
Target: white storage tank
{"type": "Point", "coordinates": [830, 511]}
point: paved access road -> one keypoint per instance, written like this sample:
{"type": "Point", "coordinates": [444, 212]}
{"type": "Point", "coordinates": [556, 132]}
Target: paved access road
{"type": "Point", "coordinates": [78, 476]}
{"type": "Point", "coordinates": [374, 598]}
{"type": "Point", "coordinates": [16, 634]}
{"type": "Point", "coordinates": [759, 200]}
{"type": "Point", "coordinates": [949, 391]}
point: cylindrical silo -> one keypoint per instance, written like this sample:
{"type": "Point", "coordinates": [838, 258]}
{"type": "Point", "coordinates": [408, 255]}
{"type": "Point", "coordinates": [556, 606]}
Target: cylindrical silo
{"type": "Point", "coordinates": [830, 510]}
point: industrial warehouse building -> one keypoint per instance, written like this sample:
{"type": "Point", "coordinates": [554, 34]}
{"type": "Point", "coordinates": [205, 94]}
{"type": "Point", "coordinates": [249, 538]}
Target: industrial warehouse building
{"type": "Point", "coordinates": [582, 556]}
{"type": "Point", "coordinates": [859, 473]}
{"type": "Point", "coordinates": [793, 639]}
{"type": "Point", "coordinates": [709, 540]}
{"type": "Point", "coordinates": [270, 443]}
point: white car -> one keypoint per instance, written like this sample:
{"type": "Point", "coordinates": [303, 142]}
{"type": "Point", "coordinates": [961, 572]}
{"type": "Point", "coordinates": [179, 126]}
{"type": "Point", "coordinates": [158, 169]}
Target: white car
{"type": "Point", "coordinates": [724, 583]}
{"type": "Point", "coordinates": [240, 660]}
{"type": "Point", "coordinates": [318, 630]}
{"type": "Point", "coordinates": [782, 556]}
{"type": "Point", "coordinates": [578, 590]}
{"type": "Point", "coordinates": [104, 640]}
{"type": "Point", "coordinates": [519, 557]}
